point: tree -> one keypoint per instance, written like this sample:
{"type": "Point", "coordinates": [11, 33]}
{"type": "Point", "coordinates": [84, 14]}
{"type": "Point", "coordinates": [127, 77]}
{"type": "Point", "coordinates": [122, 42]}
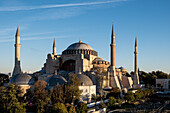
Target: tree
{"type": "Point", "coordinates": [130, 97]}
{"type": "Point", "coordinates": [40, 95]}
{"type": "Point", "coordinates": [9, 102]}
{"type": "Point", "coordinates": [111, 102]}
{"type": "Point", "coordinates": [57, 94]}
{"type": "Point", "coordinates": [102, 105]}
{"type": "Point", "coordinates": [81, 108]}
{"type": "Point", "coordinates": [59, 108]}
{"type": "Point", "coordinates": [71, 90]}
{"type": "Point", "coordinates": [3, 79]}
{"type": "Point", "coordinates": [115, 92]}
{"type": "Point", "coordinates": [70, 108]}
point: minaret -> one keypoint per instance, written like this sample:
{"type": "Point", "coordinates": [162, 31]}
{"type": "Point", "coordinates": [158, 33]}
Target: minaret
{"type": "Point", "coordinates": [136, 77]}
{"type": "Point", "coordinates": [54, 48]}
{"type": "Point", "coordinates": [112, 46]}
{"type": "Point", "coordinates": [17, 68]}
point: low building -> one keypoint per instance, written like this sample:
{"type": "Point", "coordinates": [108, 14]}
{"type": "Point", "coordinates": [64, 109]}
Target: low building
{"type": "Point", "coordinates": [163, 84]}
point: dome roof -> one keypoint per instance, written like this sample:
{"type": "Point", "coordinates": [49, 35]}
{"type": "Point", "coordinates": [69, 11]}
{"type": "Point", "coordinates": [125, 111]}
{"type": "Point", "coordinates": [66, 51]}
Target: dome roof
{"type": "Point", "coordinates": [22, 79]}
{"type": "Point", "coordinates": [56, 80]}
{"type": "Point", "coordinates": [85, 80]}
{"type": "Point", "coordinates": [79, 45]}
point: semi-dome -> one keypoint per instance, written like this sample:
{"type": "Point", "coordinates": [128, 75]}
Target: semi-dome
{"type": "Point", "coordinates": [22, 79]}
{"type": "Point", "coordinates": [79, 45]}
{"type": "Point", "coordinates": [56, 80]}
{"type": "Point", "coordinates": [85, 80]}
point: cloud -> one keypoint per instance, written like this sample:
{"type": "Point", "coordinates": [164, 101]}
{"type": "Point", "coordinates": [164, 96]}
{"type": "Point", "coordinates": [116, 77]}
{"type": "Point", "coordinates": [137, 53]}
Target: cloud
{"type": "Point", "coordinates": [25, 8]}
{"type": "Point", "coordinates": [35, 38]}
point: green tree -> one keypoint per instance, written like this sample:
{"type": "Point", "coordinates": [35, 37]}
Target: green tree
{"type": "Point", "coordinates": [57, 94]}
{"type": "Point", "coordinates": [70, 108]}
{"type": "Point", "coordinates": [3, 79]}
{"type": "Point", "coordinates": [130, 97]}
{"type": "Point", "coordinates": [71, 90]}
{"type": "Point", "coordinates": [81, 108]}
{"type": "Point", "coordinates": [115, 92]}
{"type": "Point", "coordinates": [111, 102]}
{"type": "Point", "coordinates": [9, 102]}
{"type": "Point", "coordinates": [59, 108]}
{"type": "Point", "coordinates": [102, 105]}
{"type": "Point", "coordinates": [40, 95]}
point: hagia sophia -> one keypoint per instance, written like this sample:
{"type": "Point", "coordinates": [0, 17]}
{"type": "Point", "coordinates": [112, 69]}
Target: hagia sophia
{"type": "Point", "coordinates": [81, 59]}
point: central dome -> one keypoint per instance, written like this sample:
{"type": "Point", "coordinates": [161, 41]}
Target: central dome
{"type": "Point", "coordinates": [79, 45]}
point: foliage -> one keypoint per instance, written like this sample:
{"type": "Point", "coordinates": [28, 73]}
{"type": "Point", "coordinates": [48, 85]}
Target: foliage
{"type": "Point", "coordinates": [148, 77]}
{"type": "Point", "coordinates": [3, 79]}
{"type": "Point", "coordinates": [111, 102]}
{"type": "Point", "coordinates": [102, 105]}
{"type": "Point", "coordinates": [9, 102]}
{"type": "Point", "coordinates": [94, 97]}
{"type": "Point", "coordinates": [81, 108]}
{"type": "Point", "coordinates": [72, 90]}
{"type": "Point", "coordinates": [130, 97]}
{"type": "Point", "coordinates": [67, 93]}
{"type": "Point", "coordinates": [59, 108]}
{"type": "Point", "coordinates": [70, 108]}
{"type": "Point", "coordinates": [115, 92]}
{"type": "Point", "coordinates": [40, 95]}
{"type": "Point", "coordinates": [57, 94]}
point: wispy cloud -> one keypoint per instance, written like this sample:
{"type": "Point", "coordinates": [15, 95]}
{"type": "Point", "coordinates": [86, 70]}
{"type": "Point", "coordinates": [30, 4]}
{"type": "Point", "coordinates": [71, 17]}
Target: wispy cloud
{"type": "Point", "coordinates": [24, 8]}
{"type": "Point", "coordinates": [35, 38]}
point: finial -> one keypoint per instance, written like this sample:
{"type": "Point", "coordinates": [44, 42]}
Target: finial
{"type": "Point", "coordinates": [54, 44]}
{"type": "Point", "coordinates": [135, 41]}
{"type": "Point", "coordinates": [17, 32]}
{"type": "Point", "coordinates": [80, 40]}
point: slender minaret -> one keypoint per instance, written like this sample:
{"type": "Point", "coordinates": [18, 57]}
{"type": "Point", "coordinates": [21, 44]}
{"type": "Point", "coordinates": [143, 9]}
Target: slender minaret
{"type": "Point", "coordinates": [112, 46]}
{"type": "Point", "coordinates": [17, 68]}
{"type": "Point", "coordinates": [136, 77]}
{"type": "Point", "coordinates": [54, 48]}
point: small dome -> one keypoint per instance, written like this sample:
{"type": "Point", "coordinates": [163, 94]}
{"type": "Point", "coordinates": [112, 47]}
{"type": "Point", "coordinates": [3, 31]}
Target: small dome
{"type": "Point", "coordinates": [56, 80]}
{"type": "Point", "coordinates": [22, 79]}
{"type": "Point", "coordinates": [85, 80]}
{"type": "Point", "coordinates": [79, 45]}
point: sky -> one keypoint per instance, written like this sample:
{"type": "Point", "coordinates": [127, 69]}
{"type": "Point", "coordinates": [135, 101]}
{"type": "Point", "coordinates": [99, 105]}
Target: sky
{"type": "Point", "coordinates": [40, 21]}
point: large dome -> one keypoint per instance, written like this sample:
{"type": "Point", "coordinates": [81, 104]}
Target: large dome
{"type": "Point", "coordinates": [79, 45]}
{"type": "Point", "coordinates": [85, 80]}
{"type": "Point", "coordinates": [22, 79]}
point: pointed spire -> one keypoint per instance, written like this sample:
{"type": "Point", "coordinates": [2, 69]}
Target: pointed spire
{"type": "Point", "coordinates": [113, 34]}
{"type": "Point", "coordinates": [17, 32]}
{"type": "Point", "coordinates": [136, 41]}
{"type": "Point", "coordinates": [54, 47]}
{"type": "Point", "coordinates": [54, 44]}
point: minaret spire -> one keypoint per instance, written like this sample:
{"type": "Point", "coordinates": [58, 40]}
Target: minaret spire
{"type": "Point", "coordinates": [54, 48]}
{"type": "Point", "coordinates": [17, 68]}
{"type": "Point", "coordinates": [136, 77]}
{"type": "Point", "coordinates": [112, 46]}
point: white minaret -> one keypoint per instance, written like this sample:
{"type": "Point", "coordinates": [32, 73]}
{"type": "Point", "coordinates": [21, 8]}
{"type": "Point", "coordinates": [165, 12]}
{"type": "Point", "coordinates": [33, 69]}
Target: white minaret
{"type": "Point", "coordinates": [17, 68]}
{"type": "Point", "coordinates": [136, 77]}
{"type": "Point", "coordinates": [54, 48]}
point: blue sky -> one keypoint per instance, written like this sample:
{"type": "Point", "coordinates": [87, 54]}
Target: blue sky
{"type": "Point", "coordinates": [91, 20]}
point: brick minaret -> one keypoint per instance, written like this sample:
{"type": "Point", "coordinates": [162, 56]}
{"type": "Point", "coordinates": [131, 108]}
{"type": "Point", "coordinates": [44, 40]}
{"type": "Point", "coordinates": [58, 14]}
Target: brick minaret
{"type": "Point", "coordinates": [17, 68]}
